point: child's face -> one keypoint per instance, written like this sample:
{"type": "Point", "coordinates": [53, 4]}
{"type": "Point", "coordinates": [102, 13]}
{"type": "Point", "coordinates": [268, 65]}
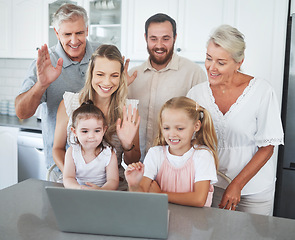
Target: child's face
{"type": "Point", "coordinates": [178, 129]}
{"type": "Point", "coordinates": [89, 132]}
{"type": "Point", "coordinates": [106, 76]}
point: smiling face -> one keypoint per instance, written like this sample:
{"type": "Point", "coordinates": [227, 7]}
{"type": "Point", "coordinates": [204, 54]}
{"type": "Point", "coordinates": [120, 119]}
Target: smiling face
{"type": "Point", "coordinates": [90, 132]}
{"type": "Point", "coordinates": [106, 76]}
{"type": "Point", "coordinates": [177, 129]}
{"type": "Point", "coordinates": [72, 36]}
{"type": "Point", "coordinates": [160, 43]}
{"type": "Point", "coordinates": [220, 65]}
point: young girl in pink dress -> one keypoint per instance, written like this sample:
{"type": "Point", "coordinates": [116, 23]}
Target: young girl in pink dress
{"type": "Point", "coordinates": [184, 160]}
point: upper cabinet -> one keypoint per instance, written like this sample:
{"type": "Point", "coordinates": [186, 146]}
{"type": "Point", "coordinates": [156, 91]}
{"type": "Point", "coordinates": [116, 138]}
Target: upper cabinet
{"type": "Point", "coordinates": [21, 26]}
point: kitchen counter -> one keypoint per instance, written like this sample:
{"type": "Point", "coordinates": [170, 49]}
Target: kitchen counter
{"type": "Point", "coordinates": [13, 121]}
{"type": "Point", "coordinates": [25, 213]}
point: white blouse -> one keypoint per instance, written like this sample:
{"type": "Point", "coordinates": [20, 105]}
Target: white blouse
{"type": "Point", "coordinates": [252, 121]}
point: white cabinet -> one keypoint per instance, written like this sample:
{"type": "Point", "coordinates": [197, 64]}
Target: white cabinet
{"type": "Point", "coordinates": [195, 21]}
{"type": "Point", "coordinates": [8, 158]}
{"type": "Point", "coordinates": [5, 26]}
{"type": "Point", "coordinates": [21, 26]}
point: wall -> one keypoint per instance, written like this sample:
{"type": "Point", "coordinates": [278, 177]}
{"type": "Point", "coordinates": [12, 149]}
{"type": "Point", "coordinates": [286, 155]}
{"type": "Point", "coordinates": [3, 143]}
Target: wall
{"type": "Point", "coordinates": [12, 74]}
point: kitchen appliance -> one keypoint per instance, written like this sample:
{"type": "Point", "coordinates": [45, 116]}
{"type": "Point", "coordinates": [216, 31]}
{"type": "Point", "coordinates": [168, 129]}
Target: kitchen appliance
{"type": "Point", "coordinates": [31, 159]}
{"type": "Point", "coordinates": [285, 186]}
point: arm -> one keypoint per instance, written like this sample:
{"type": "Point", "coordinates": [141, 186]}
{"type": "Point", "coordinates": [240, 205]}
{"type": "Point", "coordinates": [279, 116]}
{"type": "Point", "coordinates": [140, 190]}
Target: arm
{"type": "Point", "coordinates": [112, 171]}
{"type": "Point", "coordinates": [128, 134]}
{"type": "Point", "coordinates": [69, 172]}
{"type": "Point", "coordinates": [27, 103]}
{"type": "Point", "coordinates": [197, 198]}
{"type": "Point", "coordinates": [232, 194]}
{"type": "Point", "coordinates": [60, 136]}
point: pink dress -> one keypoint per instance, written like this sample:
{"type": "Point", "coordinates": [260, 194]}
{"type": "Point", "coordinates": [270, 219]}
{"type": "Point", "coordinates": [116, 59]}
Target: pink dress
{"type": "Point", "coordinates": [172, 179]}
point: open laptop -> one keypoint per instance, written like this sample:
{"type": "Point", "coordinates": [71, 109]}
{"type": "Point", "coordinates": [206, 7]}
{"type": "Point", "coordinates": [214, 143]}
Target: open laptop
{"type": "Point", "coordinates": [104, 212]}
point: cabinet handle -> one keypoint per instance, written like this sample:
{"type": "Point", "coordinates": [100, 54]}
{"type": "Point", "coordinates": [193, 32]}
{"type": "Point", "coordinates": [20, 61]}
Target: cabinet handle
{"type": "Point", "coordinates": [178, 49]}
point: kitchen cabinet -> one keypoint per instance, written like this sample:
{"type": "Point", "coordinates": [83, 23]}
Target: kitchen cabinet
{"type": "Point", "coordinates": [104, 24]}
{"type": "Point", "coordinates": [8, 158]}
{"type": "Point", "coordinates": [21, 26]}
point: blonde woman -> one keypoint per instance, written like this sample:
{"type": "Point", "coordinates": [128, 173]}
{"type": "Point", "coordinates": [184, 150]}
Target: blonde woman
{"type": "Point", "coordinates": [106, 86]}
{"type": "Point", "coordinates": [184, 161]}
{"type": "Point", "coordinates": [246, 117]}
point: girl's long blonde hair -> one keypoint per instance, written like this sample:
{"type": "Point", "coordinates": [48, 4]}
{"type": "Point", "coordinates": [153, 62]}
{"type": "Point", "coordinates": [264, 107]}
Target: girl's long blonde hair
{"type": "Point", "coordinates": [118, 98]}
{"type": "Point", "coordinates": [206, 135]}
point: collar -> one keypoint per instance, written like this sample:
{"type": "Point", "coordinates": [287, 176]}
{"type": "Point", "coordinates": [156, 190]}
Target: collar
{"type": "Point", "coordinates": [67, 61]}
{"type": "Point", "coordinates": [172, 65]}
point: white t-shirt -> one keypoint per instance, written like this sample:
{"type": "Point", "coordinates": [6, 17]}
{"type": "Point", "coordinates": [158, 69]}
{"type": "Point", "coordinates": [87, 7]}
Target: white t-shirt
{"type": "Point", "coordinates": [203, 162]}
{"type": "Point", "coordinates": [252, 121]}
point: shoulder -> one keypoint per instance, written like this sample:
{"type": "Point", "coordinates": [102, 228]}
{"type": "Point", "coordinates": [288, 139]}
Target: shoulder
{"type": "Point", "coordinates": [138, 68]}
{"type": "Point", "coordinates": [71, 102]}
{"type": "Point", "coordinates": [156, 149]}
{"type": "Point", "coordinates": [202, 150]}
{"type": "Point", "coordinates": [155, 152]}
{"type": "Point", "coordinates": [108, 151]}
{"type": "Point", "coordinates": [196, 90]}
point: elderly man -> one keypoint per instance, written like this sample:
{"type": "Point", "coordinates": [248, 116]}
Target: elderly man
{"type": "Point", "coordinates": [71, 56]}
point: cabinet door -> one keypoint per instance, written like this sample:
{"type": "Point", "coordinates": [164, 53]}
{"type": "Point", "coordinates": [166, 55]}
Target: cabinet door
{"type": "Point", "coordinates": [138, 11]}
{"type": "Point", "coordinates": [8, 158]}
{"type": "Point", "coordinates": [196, 19]}
{"type": "Point", "coordinates": [5, 26]}
{"type": "Point", "coordinates": [27, 32]}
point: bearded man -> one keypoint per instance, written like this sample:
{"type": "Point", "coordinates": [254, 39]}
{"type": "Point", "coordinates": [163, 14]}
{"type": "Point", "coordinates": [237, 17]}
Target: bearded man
{"type": "Point", "coordinates": [163, 76]}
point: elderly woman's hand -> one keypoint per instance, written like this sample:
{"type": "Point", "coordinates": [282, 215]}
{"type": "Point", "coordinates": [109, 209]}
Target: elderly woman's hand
{"type": "Point", "coordinates": [127, 129]}
{"type": "Point", "coordinates": [231, 197]}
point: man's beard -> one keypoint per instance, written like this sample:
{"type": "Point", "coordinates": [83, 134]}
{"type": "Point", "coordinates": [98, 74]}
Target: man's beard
{"type": "Point", "coordinates": [160, 61]}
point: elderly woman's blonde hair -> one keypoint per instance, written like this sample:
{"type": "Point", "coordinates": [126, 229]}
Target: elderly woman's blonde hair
{"type": "Point", "coordinates": [230, 39]}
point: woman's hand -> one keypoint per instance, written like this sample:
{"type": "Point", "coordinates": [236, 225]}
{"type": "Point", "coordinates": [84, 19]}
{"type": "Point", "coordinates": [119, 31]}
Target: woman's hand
{"type": "Point", "coordinates": [46, 73]}
{"type": "Point", "coordinates": [127, 129]}
{"type": "Point", "coordinates": [231, 197]}
{"type": "Point", "coordinates": [131, 78]}
{"type": "Point", "coordinates": [133, 174]}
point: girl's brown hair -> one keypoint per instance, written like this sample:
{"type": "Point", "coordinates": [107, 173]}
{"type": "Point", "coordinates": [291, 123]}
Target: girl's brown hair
{"type": "Point", "coordinates": [206, 135]}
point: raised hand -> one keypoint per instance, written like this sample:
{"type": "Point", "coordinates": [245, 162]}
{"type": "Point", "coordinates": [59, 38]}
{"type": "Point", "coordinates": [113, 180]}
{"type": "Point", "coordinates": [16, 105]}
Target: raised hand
{"type": "Point", "coordinates": [46, 73]}
{"type": "Point", "coordinates": [127, 129]}
{"type": "Point", "coordinates": [134, 173]}
{"type": "Point", "coordinates": [131, 78]}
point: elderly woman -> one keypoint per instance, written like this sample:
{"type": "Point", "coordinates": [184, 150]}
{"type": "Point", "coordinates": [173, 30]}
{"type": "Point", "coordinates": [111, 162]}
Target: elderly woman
{"type": "Point", "coordinates": [246, 116]}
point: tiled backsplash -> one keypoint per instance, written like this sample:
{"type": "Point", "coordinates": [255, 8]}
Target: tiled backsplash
{"type": "Point", "coordinates": [12, 74]}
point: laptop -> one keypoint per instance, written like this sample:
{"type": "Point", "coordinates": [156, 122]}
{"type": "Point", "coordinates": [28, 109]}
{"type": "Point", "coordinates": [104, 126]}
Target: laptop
{"type": "Point", "coordinates": [117, 213]}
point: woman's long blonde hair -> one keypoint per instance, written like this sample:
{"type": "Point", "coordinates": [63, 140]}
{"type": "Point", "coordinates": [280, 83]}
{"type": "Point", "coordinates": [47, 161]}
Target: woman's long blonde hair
{"type": "Point", "coordinates": [118, 98]}
{"type": "Point", "coordinates": [206, 135]}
